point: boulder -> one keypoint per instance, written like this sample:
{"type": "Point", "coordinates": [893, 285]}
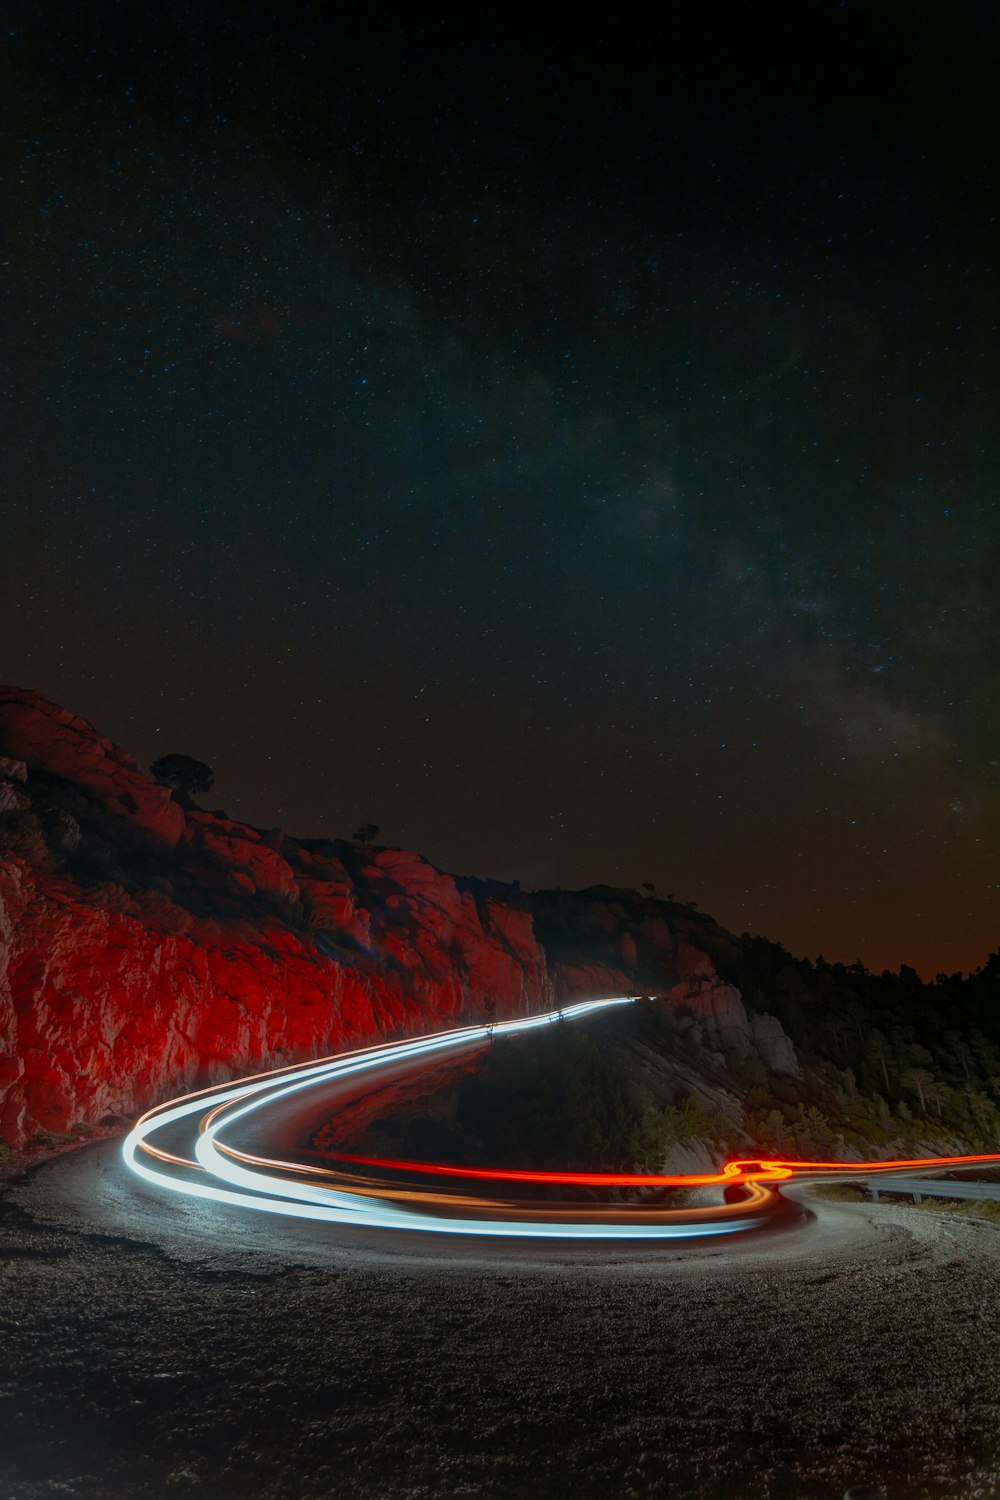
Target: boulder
{"type": "Point", "coordinates": [239, 849]}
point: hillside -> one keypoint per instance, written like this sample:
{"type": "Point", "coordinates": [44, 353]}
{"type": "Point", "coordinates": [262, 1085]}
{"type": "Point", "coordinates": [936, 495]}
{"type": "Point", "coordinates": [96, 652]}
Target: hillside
{"type": "Point", "coordinates": [148, 945]}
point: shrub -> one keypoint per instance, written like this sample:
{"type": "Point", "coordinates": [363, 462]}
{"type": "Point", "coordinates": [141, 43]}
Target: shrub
{"type": "Point", "coordinates": [548, 1100]}
{"type": "Point", "coordinates": [22, 838]}
{"type": "Point", "coordinates": [156, 910]}
{"type": "Point", "coordinates": [184, 774]}
{"type": "Point", "coordinates": [52, 1138]}
{"type": "Point", "coordinates": [691, 1121]}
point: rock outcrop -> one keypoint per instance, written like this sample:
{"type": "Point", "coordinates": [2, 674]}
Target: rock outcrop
{"type": "Point", "coordinates": [147, 945]}
{"type": "Point", "coordinates": [51, 739]}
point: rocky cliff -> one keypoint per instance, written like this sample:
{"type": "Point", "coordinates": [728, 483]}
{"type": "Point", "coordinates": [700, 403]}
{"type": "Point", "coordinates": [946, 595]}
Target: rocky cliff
{"type": "Point", "coordinates": [148, 945]}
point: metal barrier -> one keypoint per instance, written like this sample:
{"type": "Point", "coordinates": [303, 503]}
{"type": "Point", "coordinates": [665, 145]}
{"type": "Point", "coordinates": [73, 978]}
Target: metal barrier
{"type": "Point", "coordinates": [922, 1187]}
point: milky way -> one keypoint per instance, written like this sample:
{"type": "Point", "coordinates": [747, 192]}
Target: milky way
{"type": "Point", "coordinates": [572, 452]}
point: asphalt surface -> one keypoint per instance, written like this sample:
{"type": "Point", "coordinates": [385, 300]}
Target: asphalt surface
{"type": "Point", "coordinates": [154, 1346]}
{"type": "Point", "coordinates": [277, 1121]}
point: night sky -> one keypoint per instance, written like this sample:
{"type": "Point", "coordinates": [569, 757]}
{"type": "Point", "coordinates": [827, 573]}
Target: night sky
{"type": "Point", "coordinates": [567, 444]}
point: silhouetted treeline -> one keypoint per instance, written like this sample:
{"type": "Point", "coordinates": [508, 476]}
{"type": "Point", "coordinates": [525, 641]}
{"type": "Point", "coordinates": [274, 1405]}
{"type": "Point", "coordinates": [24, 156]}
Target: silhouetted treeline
{"type": "Point", "coordinates": [909, 1052]}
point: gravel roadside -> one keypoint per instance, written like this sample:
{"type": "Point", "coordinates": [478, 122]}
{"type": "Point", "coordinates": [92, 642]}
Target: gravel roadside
{"type": "Point", "coordinates": [140, 1358]}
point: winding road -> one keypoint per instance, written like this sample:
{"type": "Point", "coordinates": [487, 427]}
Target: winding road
{"type": "Point", "coordinates": [219, 1145]}
{"type": "Point", "coordinates": [162, 1344]}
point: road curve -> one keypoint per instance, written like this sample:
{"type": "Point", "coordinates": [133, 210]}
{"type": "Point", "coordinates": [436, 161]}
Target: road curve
{"type": "Point", "coordinates": [156, 1344]}
{"type": "Point", "coordinates": [200, 1146]}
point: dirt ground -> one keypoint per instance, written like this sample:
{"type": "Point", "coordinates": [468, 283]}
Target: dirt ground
{"type": "Point", "coordinates": [151, 1350]}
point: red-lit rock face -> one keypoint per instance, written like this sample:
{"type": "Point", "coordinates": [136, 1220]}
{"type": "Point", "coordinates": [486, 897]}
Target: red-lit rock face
{"type": "Point", "coordinates": [240, 852]}
{"type": "Point", "coordinates": [102, 1014]}
{"type": "Point", "coordinates": [118, 992]}
{"type": "Point", "coordinates": [52, 739]}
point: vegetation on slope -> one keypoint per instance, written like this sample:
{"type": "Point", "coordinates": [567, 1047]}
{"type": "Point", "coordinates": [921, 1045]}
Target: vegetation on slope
{"type": "Point", "coordinates": [886, 1070]}
{"type": "Point", "coordinates": [557, 1099]}
{"type": "Point", "coordinates": [889, 1057]}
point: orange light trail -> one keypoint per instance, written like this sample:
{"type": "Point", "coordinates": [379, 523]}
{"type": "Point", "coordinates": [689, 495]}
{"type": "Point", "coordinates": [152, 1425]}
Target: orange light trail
{"type": "Point", "coordinates": [214, 1170]}
{"type": "Point", "coordinates": [757, 1169]}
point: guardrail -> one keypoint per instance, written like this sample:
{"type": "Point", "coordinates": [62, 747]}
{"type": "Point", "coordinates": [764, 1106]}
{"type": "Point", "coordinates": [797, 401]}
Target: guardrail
{"type": "Point", "coordinates": [922, 1187]}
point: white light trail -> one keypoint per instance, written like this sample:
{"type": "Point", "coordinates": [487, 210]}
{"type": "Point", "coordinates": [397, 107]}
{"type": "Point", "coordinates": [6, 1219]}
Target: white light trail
{"type": "Point", "coordinates": [221, 1179]}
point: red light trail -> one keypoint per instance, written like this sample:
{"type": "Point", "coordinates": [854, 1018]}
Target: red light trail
{"type": "Point", "coordinates": [756, 1169]}
{"type": "Point", "coordinates": [208, 1168]}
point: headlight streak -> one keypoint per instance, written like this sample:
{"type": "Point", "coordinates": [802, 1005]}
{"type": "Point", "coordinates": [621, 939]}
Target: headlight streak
{"type": "Point", "coordinates": [268, 1192]}
{"type": "Point", "coordinates": [220, 1173]}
